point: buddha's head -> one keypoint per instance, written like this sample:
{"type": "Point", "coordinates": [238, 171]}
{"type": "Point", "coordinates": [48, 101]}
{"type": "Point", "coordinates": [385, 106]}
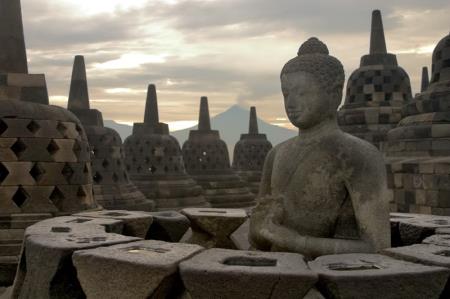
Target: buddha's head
{"type": "Point", "coordinates": [312, 85]}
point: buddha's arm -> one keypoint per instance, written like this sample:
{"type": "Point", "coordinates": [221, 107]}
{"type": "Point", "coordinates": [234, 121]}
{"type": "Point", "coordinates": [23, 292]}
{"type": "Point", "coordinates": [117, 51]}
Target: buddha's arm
{"type": "Point", "coordinates": [368, 191]}
{"type": "Point", "coordinates": [264, 201]}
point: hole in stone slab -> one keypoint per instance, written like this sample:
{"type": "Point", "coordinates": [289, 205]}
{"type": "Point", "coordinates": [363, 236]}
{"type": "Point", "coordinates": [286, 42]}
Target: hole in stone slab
{"type": "Point", "coordinates": [116, 214]}
{"type": "Point", "coordinates": [212, 212]}
{"type": "Point", "coordinates": [140, 249]}
{"type": "Point", "coordinates": [250, 261]}
{"type": "Point", "coordinates": [61, 229]}
{"type": "Point", "coordinates": [445, 253]}
{"type": "Point", "coordinates": [353, 267]}
{"type": "Point", "coordinates": [79, 220]}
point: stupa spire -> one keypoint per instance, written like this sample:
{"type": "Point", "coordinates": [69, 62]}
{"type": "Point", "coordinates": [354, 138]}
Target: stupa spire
{"type": "Point", "coordinates": [425, 79]}
{"type": "Point", "coordinates": [79, 94]}
{"type": "Point", "coordinates": [377, 40]}
{"type": "Point", "coordinates": [253, 123]}
{"type": "Point", "coordinates": [204, 121]}
{"type": "Point", "coordinates": [13, 55]}
{"type": "Point", "coordinates": [151, 116]}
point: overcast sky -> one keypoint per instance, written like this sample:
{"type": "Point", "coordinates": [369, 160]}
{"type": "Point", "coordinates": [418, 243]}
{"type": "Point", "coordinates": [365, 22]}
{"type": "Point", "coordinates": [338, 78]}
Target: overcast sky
{"type": "Point", "coordinates": [229, 50]}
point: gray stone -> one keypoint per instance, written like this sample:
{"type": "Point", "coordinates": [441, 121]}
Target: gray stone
{"type": "Point", "coordinates": [421, 138]}
{"type": "Point", "coordinates": [427, 254]}
{"type": "Point", "coordinates": [250, 153]}
{"type": "Point", "coordinates": [145, 269]}
{"type": "Point", "coordinates": [415, 230]}
{"type": "Point", "coordinates": [374, 276]}
{"type": "Point", "coordinates": [339, 207]}
{"type": "Point", "coordinates": [206, 159]}
{"type": "Point", "coordinates": [136, 223]}
{"type": "Point", "coordinates": [169, 226]}
{"type": "Point", "coordinates": [46, 269]}
{"type": "Point", "coordinates": [112, 187]}
{"type": "Point", "coordinates": [376, 91]}
{"type": "Point", "coordinates": [248, 275]}
{"type": "Point", "coordinates": [213, 227]}
{"type": "Point", "coordinates": [240, 236]}
{"type": "Point", "coordinates": [155, 162]}
{"type": "Point", "coordinates": [440, 240]}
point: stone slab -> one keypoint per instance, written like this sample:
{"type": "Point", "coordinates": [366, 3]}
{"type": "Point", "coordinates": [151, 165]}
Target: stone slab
{"type": "Point", "coordinates": [377, 276]}
{"type": "Point", "coordinates": [248, 275]}
{"type": "Point", "coordinates": [144, 269]}
{"type": "Point", "coordinates": [136, 223]}
{"type": "Point", "coordinates": [169, 226]}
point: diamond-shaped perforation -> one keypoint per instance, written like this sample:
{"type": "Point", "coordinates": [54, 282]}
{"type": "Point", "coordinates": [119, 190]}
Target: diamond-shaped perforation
{"type": "Point", "coordinates": [3, 173]}
{"type": "Point", "coordinates": [18, 147]}
{"type": "Point", "coordinates": [67, 172]}
{"type": "Point", "coordinates": [20, 197]}
{"type": "Point", "coordinates": [115, 178]}
{"type": "Point", "coordinates": [56, 197]}
{"type": "Point", "coordinates": [98, 178]}
{"type": "Point", "coordinates": [77, 148]}
{"type": "Point", "coordinates": [52, 147]}
{"type": "Point", "coordinates": [105, 163]}
{"type": "Point", "coordinates": [37, 172]}
{"type": "Point", "coordinates": [33, 127]}
{"type": "Point", "coordinates": [61, 128]}
{"type": "Point", "coordinates": [3, 127]}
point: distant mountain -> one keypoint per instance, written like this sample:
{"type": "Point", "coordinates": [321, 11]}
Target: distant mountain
{"type": "Point", "coordinates": [231, 124]}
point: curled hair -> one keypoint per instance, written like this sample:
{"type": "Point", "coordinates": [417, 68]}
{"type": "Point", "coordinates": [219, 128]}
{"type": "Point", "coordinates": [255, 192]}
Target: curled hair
{"type": "Point", "coordinates": [313, 58]}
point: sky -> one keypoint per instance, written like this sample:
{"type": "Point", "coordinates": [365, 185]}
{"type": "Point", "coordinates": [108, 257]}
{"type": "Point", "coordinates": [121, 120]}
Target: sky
{"type": "Point", "coordinates": [229, 50]}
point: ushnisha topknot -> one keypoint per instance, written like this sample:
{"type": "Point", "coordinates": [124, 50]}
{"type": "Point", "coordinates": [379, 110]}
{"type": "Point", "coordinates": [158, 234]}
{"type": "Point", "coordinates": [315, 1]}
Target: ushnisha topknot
{"type": "Point", "coordinates": [313, 57]}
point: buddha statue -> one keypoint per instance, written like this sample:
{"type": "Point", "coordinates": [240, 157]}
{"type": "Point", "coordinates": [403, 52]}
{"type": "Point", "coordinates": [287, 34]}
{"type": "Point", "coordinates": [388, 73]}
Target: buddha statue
{"type": "Point", "coordinates": [323, 191]}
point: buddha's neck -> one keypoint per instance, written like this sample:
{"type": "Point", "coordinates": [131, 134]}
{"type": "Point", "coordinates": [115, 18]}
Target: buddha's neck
{"type": "Point", "coordinates": [324, 128]}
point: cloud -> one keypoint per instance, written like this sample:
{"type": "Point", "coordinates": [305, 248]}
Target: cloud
{"type": "Point", "coordinates": [229, 50]}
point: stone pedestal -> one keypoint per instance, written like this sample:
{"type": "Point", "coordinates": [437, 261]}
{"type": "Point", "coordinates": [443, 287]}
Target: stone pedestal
{"type": "Point", "coordinates": [213, 227]}
{"type": "Point", "coordinates": [375, 92]}
{"type": "Point", "coordinates": [233, 274]}
{"type": "Point", "coordinates": [144, 269]}
{"type": "Point", "coordinates": [169, 226]}
{"type": "Point", "coordinates": [155, 163]}
{"type": "Point", "coordinates": [375, 276]}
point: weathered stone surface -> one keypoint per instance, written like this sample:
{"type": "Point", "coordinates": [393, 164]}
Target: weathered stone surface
{"type": "Point", "coordinates": [46, 269]}
{"type": "Point", "coordinates": [418, 149]}
{"type": "Point", "coordinates": [169, 226]}
{"type": "Point", "coordinates": [414, 230]}
{"type": "Point", "coordinates": [112, 187]}
{"type": "Point", "coordinates": [376, 91]}
{"type": "Point", "coordinates": [213, 227]}
{"type": "Point", "coordinates": [240, 236]}
{"type": "Point", "coordinates": [144, 269]}
{"type": "Point", "coordinates": [427, 254]}
{"type": "Point", "coordinates": [248, 275]}
{"type": "Point", "coordinates": [441, 240]}
{"type": "Point", "coordinates": [339, 207]}
{"type": "Point", "coordinates": [135, 223]}
{"type": "Point", "coordinates": [250, 153]}
{"type": "Point", "coordinates": [206, 159]}
{"type": "Point", "coordinates": [374, 276]}
{"type": "Point", "coordinates": [155, 162]}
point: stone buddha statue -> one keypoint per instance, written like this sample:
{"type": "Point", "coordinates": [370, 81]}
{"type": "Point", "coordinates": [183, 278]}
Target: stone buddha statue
{"type": "Point", "coordinates": [324, 191]}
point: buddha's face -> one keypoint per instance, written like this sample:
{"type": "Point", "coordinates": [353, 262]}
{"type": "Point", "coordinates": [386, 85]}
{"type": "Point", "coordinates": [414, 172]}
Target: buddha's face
{"type": "Point", "coordinates": [306, 102]}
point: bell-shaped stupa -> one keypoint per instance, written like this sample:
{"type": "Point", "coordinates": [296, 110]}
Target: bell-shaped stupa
{"type": "Point", "coordinates": [206, 159]}
{"type": "Point", "coordinates": [376, 91]}
{"type": "Point", "coordinates": [45, 165]}
{"type": "Point", "coordinates": [155, 162]}
{"type": "Point", "coordinates": [250, 152]}
{"type": "Point", "coordinates": [112, 186]}
{"type": "Point", "coordinates": [418, 149]}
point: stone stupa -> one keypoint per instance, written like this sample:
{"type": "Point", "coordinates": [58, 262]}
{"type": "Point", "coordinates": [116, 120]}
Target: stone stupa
{"type": "Point", "coordinates": [250, 152]}
{"type": "Point", "coordinates": [376, 91]}
{"type": "Point", "coordinates": [155, 162]}
{"type": "Point", "coordinates": [112, 186]}
{"type": "Point", "coordinates": [44, 157]}
{"type": "Point", "coordinates": [206, 159]}
{"type": "Point", "coordinates": [418, 150]}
